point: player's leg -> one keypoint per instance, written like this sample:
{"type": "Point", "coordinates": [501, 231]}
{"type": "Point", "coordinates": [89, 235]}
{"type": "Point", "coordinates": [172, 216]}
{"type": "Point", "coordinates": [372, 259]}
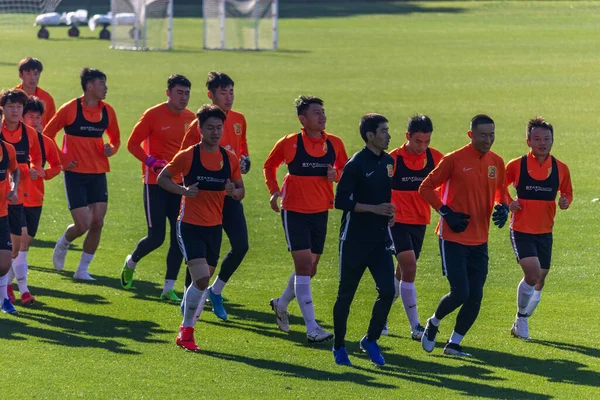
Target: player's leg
{"type": "Point", "coordinates": [477, 270]}
{"type": "Point", "coordinates": [351, 270]}
{"type": "Point", "coordinates": [454, 267]}
{"type": "Point", "coordinates": [526, 253]}
{"type": "Point", "coordinates": [174, 256]}
{"type": "Point", "coordinates": [5, 265]}
{"type": "Point", "coordinates": [31, 220]}
{"type": "Point", "coordinates": [544, 248]}
{"type": "Point", "coordinates": [154, 199]}
{"type": "Point", "coordinates": [19, 263]}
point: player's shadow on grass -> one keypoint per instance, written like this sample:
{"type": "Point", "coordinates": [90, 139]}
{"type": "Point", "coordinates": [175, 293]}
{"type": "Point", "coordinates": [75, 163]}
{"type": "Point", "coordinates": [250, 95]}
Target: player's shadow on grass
{"type": "Point", "coordinates": [49, 244]}
{"type": "Point", "coordinates": [586, 351]}
{"type": "Point", "coordinates": [302, 372]}
{"type": "Point", "coordinates": [41, 292]}
{"type": "Point", "coordinates": [80, 329]}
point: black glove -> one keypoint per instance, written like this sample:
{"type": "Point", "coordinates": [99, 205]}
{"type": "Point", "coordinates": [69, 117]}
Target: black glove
{"type": "Point", "coordinates": [500, 215]}
{"type": "Point", "coordinates": [458, 222]}
{"type": "Point", "coordinates": [245, 164]}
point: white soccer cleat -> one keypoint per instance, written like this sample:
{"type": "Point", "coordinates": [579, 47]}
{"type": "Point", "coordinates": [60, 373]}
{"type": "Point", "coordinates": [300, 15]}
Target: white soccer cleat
{"type": "Point", "coordinates": [318, 335]}
{"type": "Point", "coordinates": [83, 276]}
{"type": "Point", "coordinates": [58, 257]}
{"type": "Point", "coordinates": [428, 337]}
{"type": "Point", "coordinates": [281, 317]}
{"type": "Point", "coordinates": [520, 328]}
{"type": "Point", "coordinates": [386, 330]}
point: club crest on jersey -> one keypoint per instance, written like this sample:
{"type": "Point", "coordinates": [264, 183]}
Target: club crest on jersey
{"type": "Point", "coordinates": [237, 128]}
{"type": "Point", "coordinates": [390, 169]}
{"type": "Point", "coordinates": [491, 172]}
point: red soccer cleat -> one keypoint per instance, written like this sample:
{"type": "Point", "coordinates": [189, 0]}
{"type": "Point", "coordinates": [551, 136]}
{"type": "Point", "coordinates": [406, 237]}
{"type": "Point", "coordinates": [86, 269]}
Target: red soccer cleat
{"type": "Point", "coordinates": [11, 293]}
{"type": "Point", "coordinates": [185, 339]}
{"type": "Point", "coordinates": [27, 299]}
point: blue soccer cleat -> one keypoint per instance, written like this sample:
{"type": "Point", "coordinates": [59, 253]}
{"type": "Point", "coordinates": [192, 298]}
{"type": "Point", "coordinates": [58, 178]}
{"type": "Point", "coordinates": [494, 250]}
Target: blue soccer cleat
{"type": "Point", "coordinates": [341, 356]}
{"type": "Point", "coordinates": [372, 349]}
{"type": "Point", "coordinates": [217, 304]}
{"type": "Point", "coordinates": [7, 307]}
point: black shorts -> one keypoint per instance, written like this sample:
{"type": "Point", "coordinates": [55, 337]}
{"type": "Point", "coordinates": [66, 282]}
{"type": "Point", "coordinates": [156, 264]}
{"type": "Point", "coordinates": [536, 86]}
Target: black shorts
{"type": "Point", "coordinates": [305, 231]}
{"type": "Point", "coordinates": [460, 260]}
{"type": "Point", "coordinates": [16, 218]}
{"type": "Point", "coordinates": [85, 189]}
{"type": "Point", "coordinates": [5, 241]}
{"type": "Point", "coordinates": [408, 237]}
{"type": "Point", "coordinates": [32, 219]}
{"type": "Point", "coordinates": [197, 241]}
{"type": "Point", "coordinates": [532, 245]}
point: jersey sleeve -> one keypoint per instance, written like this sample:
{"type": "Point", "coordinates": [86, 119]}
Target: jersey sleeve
{"type": "Point", "coordinates": [437, 156]}
{"type": "Point", "coordinates": [344, 193]}
{"type": "Point", "coordinates": [341, 158]}
{"type": "Point", "coordinates": [63, 117]}
{"type": "Point", "coordinates": [393, 154]}
{"type": "Point", "coordinates": [35, 151]}
{"type": "Point", "coordinates": [52, 157]}
{"type": "Point", "coordinates": [50, 108]}
{"type": "Point", "coordinates": [565, 188]}
{"type": "Point", "coordinates": [273, 161]}
{"type": "Point", "coordinates": [236, 173]}
{"type": "Point", "coordinates": [182, 162]}
{"type": "Point", "coordinates": [114, 135]}
{"type": "Point", "coordinates": [512, 173]}
{"type": "Point", "coordinates": [140, 132]}
{"type": "Point", "coordinates": [434, 180]}
{"type": "Point", "coordinates": [501, 196]}
{"type": "Point", "coordinates": [243, 141]}
{"type": "Point", "coordinates": [12, 156]}
{"type": "Point", "coordinates": [192, 135]}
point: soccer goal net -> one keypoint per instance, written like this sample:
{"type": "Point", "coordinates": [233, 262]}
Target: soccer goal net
{"type": "Point", "coordinates": [142, 24]}
{"type": "Point", "coordinates": [20, 15]}
{"type": "Point", "coordinates": [240, 24]}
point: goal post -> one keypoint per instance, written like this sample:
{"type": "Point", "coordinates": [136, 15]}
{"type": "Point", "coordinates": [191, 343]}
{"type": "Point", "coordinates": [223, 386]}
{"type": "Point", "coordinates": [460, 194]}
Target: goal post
{"type": "Point", "coordinates": [20, 15]}
{"type": "Point", "coordinates": [240, 24]}
{"type": "Point", "coordinates": [142, 24]}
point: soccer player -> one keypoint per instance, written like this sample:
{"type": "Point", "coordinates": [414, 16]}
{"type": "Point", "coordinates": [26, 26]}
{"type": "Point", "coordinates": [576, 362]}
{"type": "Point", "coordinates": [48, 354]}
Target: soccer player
{"type": "Point", "coordinates": [414, 160]}
{"type": "Point", "coordinates": [8, 192]}
{"type": "Point", "coordinates": [85, 120]}
{"type": "Point", "coordinates": [29, 159]}
{"type": "Point", "coordinates": [220, 91]}
{"type": "Point", "coordinates": [471, 180]}
{"type": "Point", "coordinates": [30, 70]}
{"type": "Point", "coordinates": [314, 159]}
{"type": "Point", "coordinates": [209, 174]}
{"type": "Point", "coordinates": [160, 131]}
{"type": "Point", "coordinates": [537, 177]}
{"type": "Point", "coordinates": [364, 195]}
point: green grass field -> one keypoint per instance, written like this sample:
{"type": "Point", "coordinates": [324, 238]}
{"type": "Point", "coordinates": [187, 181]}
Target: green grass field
{"type": "Point", "coordinates": [450, 60]}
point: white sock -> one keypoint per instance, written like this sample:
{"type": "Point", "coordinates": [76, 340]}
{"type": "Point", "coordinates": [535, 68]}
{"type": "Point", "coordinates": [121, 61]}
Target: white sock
{"type": "Point", "coordinates": [63, 243]}
{"type": "Point", "coordinates": [21, 258]}
{"type": "Point", "coordinates": [408, 292]}
{"type": "Point", "coordinates": [191, 300]}
{"type": "Point", "coordinates": [21, 275]}
{"type": "Point", "coordinates": [533, 302]}
{"type": "Point", "coordinates": [396, 289]}
{"type": "Point", "coordinates": [3, 284]}
{"type": "Point", "coordinates": [85, 261]}
{"type": "Point", "coordinates": [288, 294]}
{"type": "Point", "coordinates": [304, 296]}
{"type": "Point", "coordinates": [169, 285]}
{"type": "Point", "coordinates": [10, 275]}
{"type": "Point", "coordinates": [524, 293]}
{"type": "Point", "coordinates": [218, 285]}
{"type": "Point", "coordinates": [434, 320]}
{"type": "Point", "coordinates": [200, 306]}
{"type": "Point", "coordinates": [456, 337]}
{"type": "Point", "coordinates": [130, 263]}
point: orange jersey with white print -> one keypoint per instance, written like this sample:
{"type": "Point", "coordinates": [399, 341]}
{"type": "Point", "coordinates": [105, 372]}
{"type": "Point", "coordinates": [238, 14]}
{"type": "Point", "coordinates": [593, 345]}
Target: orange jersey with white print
{"type": "Point", "coordinates": [85, 143]}
{"type": "Point", "coordinates": [160, 133]}
{"type": "Point", "coordinates": [8, 164]}
{"type": "Point", "coordinates": [409, 171]}
{"type": "Point", "coordinates": [470, 182]}
{"type": "Point", "coordinates": [49, 106]}
{"type": "Point", "coordinates": [29, 154]}
{"type": "Point", "coordinates": [305, 188]}
{"type": "Point", "coordinates": [234, 134]}
{"type": "Point", "coordinates": [52, 167]}
{"type": "Point", "coordinates": [211, 170]}
{"type": "Point", "coordinates": [539, 185]}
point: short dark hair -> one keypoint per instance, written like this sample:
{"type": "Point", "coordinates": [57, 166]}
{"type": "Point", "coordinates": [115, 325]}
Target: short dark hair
{"type": "Point", "coordinates": [14, 96]}
{"type": "Point", "coordinates": [303, 102]}
{"type": "Point", "coordinates": [34, 104]}
{"type": "Point", "coordinates": [180, 80]}
{"type": "Point", "coordinates": [218, 80]}
{"type": "Point", "coordinates": [419, 123]}
{"type": "Point", "coordinates": [369, 123]}
{"type": "Point", "coordinates": [89, 75]}
{"type": "Point", "coordinates": [30, 63]}
{"type": "Point", "coordinates": [209, 110]}
{"type": "Point", "coordinates": [539, 122]}
{"type": "Point", "coordinates": [480, 119]}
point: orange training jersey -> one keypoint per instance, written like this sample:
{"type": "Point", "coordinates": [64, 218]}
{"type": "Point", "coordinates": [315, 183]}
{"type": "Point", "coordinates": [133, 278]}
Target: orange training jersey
{"type": "Point", "coordinates": [160, 132]}
{"type": "Point", "coordinates": [234, 134]}
{"type": "Point", "coordinates": [206, 209]}
{"type": "Point", "coordinates": [52, 168]}
{"type": "Point", "coordinates": [8, 164]}
{"type": "Point", "coordinates": [470, 183]}
{"type": "Point", "coordinates": [35, 156]}
{"type": "Point", "coordinates": [87, 151]}
{"type": "Point", "coordinates": [536, 216]}
{"type": "Point", "coordinates": [49, 107]}
{"type": "Point", "coordinates": [305, 194]}
{"type": "Point", "coordinates": [411, 207]}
